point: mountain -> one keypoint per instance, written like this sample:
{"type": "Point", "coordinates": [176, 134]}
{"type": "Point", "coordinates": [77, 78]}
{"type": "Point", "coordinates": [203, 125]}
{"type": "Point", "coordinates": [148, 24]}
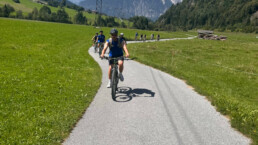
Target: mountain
{"type": "Point", "coordinates": [128, 8]}
{"type": "Point", "coordinates": [236, 15]}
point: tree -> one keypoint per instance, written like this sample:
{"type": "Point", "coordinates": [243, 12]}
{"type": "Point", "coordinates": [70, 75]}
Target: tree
{"type": "Point", "coordinates": [62, 16]}
{"type": "Point", "coordinates": [100, 21]}
{"type": "Point", "coordinates": [35, 14]}
{"type": "Point", "coordinates": [45, 13]}
{"type": "Point", "coordinates": [123, 24]}
{"type": "Point", "coordinates": [1, 12]}
{"type": "Point", "coordinates": [19, 14]}
{"type": "Point", "coordinates": [140, 22]}
{"type": "Point", "coordinates": [53, 3]}
{"type": "Point", "coordinates": [7, 9]}
{"type": "Point", "coordinates": [79, 18]}
{"type": "Point", "coordinates": [16, 1]}
{"type": "Point", "coordinates": [63, 3]}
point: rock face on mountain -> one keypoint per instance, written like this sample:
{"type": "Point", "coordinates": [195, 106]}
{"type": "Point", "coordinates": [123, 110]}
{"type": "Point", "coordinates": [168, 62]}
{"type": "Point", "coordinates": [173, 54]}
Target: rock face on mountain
{"type": "Point", "coordinates": [128, 8]}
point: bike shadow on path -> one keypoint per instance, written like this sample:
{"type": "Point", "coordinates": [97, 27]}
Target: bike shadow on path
{"type": "Point", "coordinates": [126, 94]}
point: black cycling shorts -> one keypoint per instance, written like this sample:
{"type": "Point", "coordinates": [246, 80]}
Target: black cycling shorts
{"type": "Point", "coordinates": [112, 60]}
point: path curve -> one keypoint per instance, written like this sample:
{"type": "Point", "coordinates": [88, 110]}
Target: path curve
{"type": "Point", "coordinates": [152, 108]}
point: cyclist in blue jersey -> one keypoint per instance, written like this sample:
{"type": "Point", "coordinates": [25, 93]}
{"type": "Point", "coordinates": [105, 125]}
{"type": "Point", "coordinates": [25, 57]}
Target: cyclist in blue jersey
{"type": "Point", "coordinates": [116, 46]}
{"type": "Point", "coordinates": [101, 41]}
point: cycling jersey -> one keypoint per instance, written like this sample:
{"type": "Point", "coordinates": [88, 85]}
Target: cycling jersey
{"type": "Point", "coordinates": [115, 49]}
{"type": "Point", "coordinates": [95, 38]}
{"type": "Point", "coordinates": [101, 38]}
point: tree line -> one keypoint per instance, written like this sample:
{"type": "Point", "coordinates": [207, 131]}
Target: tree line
{"type": "Point", "coordinates": [43, 14]}
{"type": "Point", "coordinates": [235, 15]}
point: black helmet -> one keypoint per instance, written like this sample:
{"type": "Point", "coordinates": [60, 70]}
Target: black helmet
{"type": "Point", "coordinates": [113, 31]}
{"type": "Point", "coordinates": [101, 31]}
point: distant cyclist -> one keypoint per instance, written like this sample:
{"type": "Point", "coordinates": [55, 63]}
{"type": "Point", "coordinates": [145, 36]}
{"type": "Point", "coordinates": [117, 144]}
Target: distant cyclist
{"type": "Point", "coordinates": [101, 40]}
{"type": "Point", "coordinates": [152, 36]}
{"type": "Point", "coordinates": [136, 35]}
{"type": "Point", "coordinates": [116, 46]}
{"type": "Point", "coordinates": [94, 40]}
{"type": "Point", "coordinates": [158, 37]}
{"type": "Point", "coordinates": [122, 37]}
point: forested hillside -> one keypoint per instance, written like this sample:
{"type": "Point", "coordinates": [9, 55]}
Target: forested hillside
{"type": "Point", "coordinates": [235, 15]}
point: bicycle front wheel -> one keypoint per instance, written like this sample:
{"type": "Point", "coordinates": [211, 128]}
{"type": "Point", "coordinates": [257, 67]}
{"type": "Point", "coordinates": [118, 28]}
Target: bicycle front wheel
{"type": "Point", "coordinates": [114, 83]}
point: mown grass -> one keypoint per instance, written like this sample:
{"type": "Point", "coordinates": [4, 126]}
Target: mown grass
{"type": "Point", "coordinates": [47, 79]}
{"type": "Point", "coordinates": [224, 71]}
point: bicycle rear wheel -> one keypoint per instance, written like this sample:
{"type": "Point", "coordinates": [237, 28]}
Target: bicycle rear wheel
{"type": "Point", "coordinates": [114, 83]}
{"type": "Point", "coordinates": [100, 49]}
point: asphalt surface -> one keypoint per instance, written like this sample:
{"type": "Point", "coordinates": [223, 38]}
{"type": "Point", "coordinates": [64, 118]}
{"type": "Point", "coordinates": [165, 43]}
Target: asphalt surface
{"type": "Point", "coordinates": [151, 108]}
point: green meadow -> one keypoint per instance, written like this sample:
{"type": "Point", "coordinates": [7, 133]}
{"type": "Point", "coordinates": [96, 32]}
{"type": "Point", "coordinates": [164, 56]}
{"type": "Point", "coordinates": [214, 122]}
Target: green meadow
{"type": "Point", "coordinates": [226, 72]}
{"type": "Point", "coordinates": [47, 80]}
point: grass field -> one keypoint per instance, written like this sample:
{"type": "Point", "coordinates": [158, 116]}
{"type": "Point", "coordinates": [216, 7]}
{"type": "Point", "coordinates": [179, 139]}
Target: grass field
{"type": "Point", "coordinates": [47, 79]}
{"type": "Point", "coordinates": [224, 71]}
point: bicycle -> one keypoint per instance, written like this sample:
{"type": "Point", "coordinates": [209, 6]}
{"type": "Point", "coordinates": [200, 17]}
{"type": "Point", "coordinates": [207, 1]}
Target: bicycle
{"type": "Point", "coordinates": [95, 47]}
{"type": "Point", "coordinates": [114, 76]}
{"type": "Point", "coordinates": [101, 46]}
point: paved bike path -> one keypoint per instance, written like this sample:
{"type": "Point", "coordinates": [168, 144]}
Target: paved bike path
{"type": "Point", "coordinates": [152, 108]}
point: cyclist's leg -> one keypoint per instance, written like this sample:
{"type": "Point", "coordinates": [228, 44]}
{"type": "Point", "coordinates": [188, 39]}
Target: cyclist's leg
{"type": "Point", "coordinates": [111, 62]}
{"type": "Point", "coordinates": [121, 65]}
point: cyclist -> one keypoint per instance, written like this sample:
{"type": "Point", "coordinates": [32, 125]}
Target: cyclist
{"type": "Point", "coordinates": [100, 40]}
{"type": "Point", "coordinates": [144, 37]}
{"type": "Point", "coordinates": [116, 46]}
{"type": "Point", "coordinates": [122, 37]}
{"type": "Point", "coordinates": [152, 36]}
{"type": "Point", "coordinates": [136, 35]}
{"type": "Point", "coordinates": [158, 37]}
{"type": "Point", "coordinates": [94, 39]}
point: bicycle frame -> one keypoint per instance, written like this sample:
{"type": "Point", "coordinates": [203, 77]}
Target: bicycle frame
{"type": "Point", "coordinates": [101, 46]}
{"type": "Point", "coordinates": [114, 77]}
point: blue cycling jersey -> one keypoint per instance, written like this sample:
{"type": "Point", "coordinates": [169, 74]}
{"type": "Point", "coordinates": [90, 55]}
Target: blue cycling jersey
{"type": "Point", "coordinates": [115, 50]}
{"type": "Point", "coordinates": [101, 38]}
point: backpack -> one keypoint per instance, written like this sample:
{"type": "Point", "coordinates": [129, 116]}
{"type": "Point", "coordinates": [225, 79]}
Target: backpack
{"type": "Point", "coordinates": [119, 43]}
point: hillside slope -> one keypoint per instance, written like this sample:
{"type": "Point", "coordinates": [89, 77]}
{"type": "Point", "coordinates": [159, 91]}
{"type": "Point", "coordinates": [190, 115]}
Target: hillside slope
{"type": "Point", "coordinates": [233, 14]}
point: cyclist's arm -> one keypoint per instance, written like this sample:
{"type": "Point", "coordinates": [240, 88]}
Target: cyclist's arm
{"type": "Point", "coordinates": [125, 49]}
{"type": "Point", "coordinates": [97, 39]}
{"type": "Point", "coordinates": [104, 49]}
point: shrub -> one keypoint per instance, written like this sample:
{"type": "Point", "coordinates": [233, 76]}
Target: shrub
{"type": "Point", "coordinates": [6, 10]}
{"type": "Point", "coordinates": [19, 14]}
{"type": "Point", "coordinates": [79, 18]}
{"type": "Point", "coordinates": [16, 1]}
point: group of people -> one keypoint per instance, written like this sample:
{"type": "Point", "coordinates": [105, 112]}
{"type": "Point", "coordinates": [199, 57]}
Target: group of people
{"type": "Point", "coordinates": [143, 37]}
{"type": "Point", "coordinates": [117, 46]}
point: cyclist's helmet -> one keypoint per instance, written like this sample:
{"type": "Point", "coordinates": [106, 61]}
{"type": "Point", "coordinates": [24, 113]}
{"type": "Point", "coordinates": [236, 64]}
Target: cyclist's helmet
{"type": "Point", "coordinates": [113, 31]}
{"type": "Point", "coordinates": [121, 34]}
{"type": "Point", "coordinates": [101, 31]}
